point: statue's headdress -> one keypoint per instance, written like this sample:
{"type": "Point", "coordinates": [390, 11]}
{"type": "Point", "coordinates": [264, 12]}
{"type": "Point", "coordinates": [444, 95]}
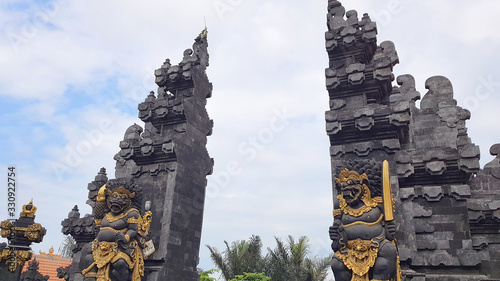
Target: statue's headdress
{"type": "Point", "coordinates": [351, 177]}
{"type": "Point", "coordinates": [366, 171]}
{"type": "Point", "coordinates": [121, 190]}
{"type": "Point", "coordinates": [133, 191]}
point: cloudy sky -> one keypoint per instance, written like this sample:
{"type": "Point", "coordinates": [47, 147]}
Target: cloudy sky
{"type": "Point", "coordinates": [73, 72]}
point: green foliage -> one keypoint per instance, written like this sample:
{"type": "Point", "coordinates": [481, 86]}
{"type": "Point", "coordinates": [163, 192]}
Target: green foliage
{"type": "Point", "coordinates": [289, 261]}
{"type": "Point", "coordinates": [204, 274]}
{"type": "Point", "coordinates": [251, 277]}
{"type": "Point", "coordinates": [240, 257]}
{"type": "Point", "coordinates": [318, 267]}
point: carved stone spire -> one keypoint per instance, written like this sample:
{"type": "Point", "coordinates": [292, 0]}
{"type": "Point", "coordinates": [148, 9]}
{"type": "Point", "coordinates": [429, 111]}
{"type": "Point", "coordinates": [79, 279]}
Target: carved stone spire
{"type": "Point", "coordinates": [168, 159]}
{"type": "Point", "coordinates": [439, 185]}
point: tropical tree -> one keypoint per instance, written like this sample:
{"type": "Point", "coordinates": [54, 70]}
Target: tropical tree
{"type": "Point", "coordinates": [288, 261]}
{"type": "Point", "coordinates": [239, 257]}
{"type": "Point", "coordinates": [251, 277]}
{"type": "Point", "coordinates": [204, 274]}
{"type": "Point", "coordinates": [318, 267]}
{"type": "Point", "coordinates": [278, 262]}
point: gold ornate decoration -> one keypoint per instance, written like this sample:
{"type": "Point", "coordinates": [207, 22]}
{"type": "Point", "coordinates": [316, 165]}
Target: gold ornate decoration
{"type": "Point", "coordinates": [378, 221]}
{"type": "Point", "coordinates": [103, 253]}
{"type": "Point", "coordinates": [145, 223]}
{"type": "Point", "coordinates": [359, 256]}
{"type": "Point", "coordinates": [121, 190]}
{"type": "Point", "coordinates": [133, 220]}
{"type": "Point", "coordinates": [112, 218]}
{"type": "Point", "coordinates": [6, 227]}
{"type": "Point", "coordinates": [21, 258]}
{"type": "Point", "coordinates": [107, 253]}
{"type": "Point", "coordinates": [34, 232]}
{"type": "Point", "coordinates": [50, 253]}
{"type": "Point", "coordinates": [15, 259]}
{"type": "Point", "coordinates": [369, 203]}
{"type": "Point", "coordinates": [337, 212]}
{"type": "Point", "coordinates": [4, 253]}
{"type": "Point", "coordinates": [29, 210]}
{"type": "Point", "coordinates": [354, 178]}
{"type": "Point", "coordinates": [101, 196]}
{"type": "Point", "coordinates": [351, 177]}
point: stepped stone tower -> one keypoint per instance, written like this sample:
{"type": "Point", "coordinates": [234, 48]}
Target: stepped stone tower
{"type": "Point", "coordinates": [448, 209]}
{"type": "Point", "coordinates": [169, 160]}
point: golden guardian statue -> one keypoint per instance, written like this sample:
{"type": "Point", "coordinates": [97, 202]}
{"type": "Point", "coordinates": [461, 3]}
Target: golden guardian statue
{"type": "Point", "coordinates": [363, 229]}
{"type": "Point", "coordinates": [117, 252]}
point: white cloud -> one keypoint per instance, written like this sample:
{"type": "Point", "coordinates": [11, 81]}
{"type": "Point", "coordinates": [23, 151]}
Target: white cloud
{"type": "Point", "coordinates": [471, 24]}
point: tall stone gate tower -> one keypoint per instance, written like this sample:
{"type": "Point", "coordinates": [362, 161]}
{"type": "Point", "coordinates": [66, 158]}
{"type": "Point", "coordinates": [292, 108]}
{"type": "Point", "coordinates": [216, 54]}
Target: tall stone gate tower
{"type": "Point", "coordinates": [169, 160]}
{"type": "Point", "coordinates": [448, 209]}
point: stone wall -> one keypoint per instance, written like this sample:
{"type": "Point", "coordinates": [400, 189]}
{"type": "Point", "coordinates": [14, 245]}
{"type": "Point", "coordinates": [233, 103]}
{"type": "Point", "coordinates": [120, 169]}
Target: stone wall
{"type": "Point", "coordinates": [447, 207]}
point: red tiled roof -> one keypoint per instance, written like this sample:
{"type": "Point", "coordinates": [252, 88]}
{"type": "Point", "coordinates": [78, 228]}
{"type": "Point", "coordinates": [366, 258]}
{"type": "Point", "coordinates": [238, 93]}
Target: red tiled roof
{"type": "Point", "coordinates": [49, 263]}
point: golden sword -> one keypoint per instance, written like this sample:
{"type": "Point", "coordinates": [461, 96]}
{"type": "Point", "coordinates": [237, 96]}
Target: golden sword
{"type": "Point", "coordinates": [387, 193]}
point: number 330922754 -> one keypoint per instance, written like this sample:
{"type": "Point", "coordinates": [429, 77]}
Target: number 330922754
{"type": "Point", "coordinates": [11, 191]}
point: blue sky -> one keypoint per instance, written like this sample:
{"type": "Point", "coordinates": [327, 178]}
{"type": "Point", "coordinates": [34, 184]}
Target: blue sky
{"type": "Point", "coordinates": [73, 72]}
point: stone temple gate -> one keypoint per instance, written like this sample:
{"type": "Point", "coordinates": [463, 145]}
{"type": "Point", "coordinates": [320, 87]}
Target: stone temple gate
{"type": "Point", "coordinates": [448, 219]}
{"type": "Point", "coordinates": [449, 209]}
{"type": "Point", "coordinates": [168, 159]}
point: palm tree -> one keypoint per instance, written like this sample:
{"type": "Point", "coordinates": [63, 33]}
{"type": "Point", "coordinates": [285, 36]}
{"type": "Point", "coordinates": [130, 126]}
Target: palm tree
{"type": "Point", "coordinates": [240, 257]}
{"type": "Point", "coordinates": [278, 262]}
{"type": "Point", "coordinates": [204, 274]}
{"type": "Point", "coordinates": [299, 251]}
{"type": "Point", "coordinates": [290, 262]}
{"type": "Point", "coordinates": [318, 267]}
